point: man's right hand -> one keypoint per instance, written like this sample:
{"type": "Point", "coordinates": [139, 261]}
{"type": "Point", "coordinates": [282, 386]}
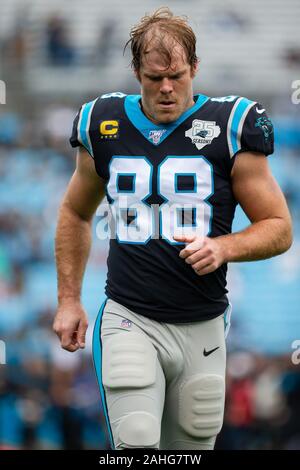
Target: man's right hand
{"type": "Point", "coordinates": [70, 325]}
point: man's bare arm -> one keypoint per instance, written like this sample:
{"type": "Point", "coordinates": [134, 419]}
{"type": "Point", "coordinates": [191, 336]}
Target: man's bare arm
{"type": "Point", "coordinates": [270, 232]}
{"type": "Point", "coordinates": [72, 247]}
{"type": "Point", "coordinates": [262, 200]}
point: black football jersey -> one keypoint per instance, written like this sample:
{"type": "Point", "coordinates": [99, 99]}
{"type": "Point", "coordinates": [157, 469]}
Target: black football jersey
{"type": "Point", "coordinates": [166, 179]}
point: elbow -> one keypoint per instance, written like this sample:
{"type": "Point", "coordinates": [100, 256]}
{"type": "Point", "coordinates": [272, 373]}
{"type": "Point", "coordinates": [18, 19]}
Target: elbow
{"type": "Point", "coordinates": [287, 237]}
{"type": "Point", "coordinates": [70, 211]}
{"type": "Point", "coordinates": [289, 241]}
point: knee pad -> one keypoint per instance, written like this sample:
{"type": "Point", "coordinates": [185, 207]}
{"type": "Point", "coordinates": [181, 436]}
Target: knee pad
{"type": "Point", "coordinates": [129, 360]}
{"type": "Point", "coordinates": [201, 405]}
{"type": "Point", "coordinates": [139, 429]}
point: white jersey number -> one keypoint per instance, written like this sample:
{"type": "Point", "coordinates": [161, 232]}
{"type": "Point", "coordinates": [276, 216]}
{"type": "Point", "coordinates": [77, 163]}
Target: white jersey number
{"type": "Point", "coordinates": [184, 211]}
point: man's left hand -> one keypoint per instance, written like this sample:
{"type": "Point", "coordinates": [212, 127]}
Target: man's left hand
{"type": "Point", "coordinates": [204, 254]}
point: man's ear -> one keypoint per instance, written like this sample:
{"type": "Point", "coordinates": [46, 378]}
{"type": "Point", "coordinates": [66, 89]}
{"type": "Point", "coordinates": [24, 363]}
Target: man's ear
{"type": "Point", "coordinates": [137, 75]}
{"type": "Point", "coordinates": [195, 68]}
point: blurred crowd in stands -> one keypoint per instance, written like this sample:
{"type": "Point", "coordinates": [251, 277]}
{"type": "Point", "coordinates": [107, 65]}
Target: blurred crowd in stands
{"type": "Point", "coordinates": [48, 398]}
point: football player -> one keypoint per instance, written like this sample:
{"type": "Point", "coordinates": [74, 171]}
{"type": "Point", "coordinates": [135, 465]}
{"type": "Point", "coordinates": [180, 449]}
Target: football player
{"type": "Point", "coordinates": [173, 166]}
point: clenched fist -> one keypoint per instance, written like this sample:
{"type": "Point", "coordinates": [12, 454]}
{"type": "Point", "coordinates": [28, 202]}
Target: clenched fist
{"type": "Point", "coordinates": [70, 325]}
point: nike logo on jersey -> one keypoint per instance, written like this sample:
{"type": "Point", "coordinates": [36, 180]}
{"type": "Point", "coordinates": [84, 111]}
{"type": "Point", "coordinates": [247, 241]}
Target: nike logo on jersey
{"type": "Point", "coordinates": [260, 111]}
{"type": "Point", "coordinates": [207, 353]}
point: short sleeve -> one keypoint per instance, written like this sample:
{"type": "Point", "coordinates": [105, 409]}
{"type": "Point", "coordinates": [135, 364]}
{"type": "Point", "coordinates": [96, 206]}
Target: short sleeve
{"type": "Point", "coordinates": [258, 132]}
{"type": "Point", "coordinates": [81, 131]}
{"type": "Point", "coordinates": [74, 136]}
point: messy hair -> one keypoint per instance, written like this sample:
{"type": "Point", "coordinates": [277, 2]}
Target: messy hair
{"type": "Point", "coordinates": [162, 22]}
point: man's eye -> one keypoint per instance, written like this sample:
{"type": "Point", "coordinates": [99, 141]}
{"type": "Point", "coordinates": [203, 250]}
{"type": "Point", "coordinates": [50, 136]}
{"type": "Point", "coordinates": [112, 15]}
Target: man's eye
{"type": "Point", "coordinates": [158, 79]}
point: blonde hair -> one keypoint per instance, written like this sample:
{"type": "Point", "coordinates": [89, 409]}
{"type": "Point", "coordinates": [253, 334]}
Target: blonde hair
{"type": "Point", "coordinates": [167, 24]}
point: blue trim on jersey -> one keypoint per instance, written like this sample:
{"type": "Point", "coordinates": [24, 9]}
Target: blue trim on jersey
{"type": "Point", "coordinates": [238, 113]}
{"type": "Point", "coordinates": [144, 125]}
{"type": "Point", "coordinates": [97, 359]}
{"type": "Point", "coordinates": [83, 126]}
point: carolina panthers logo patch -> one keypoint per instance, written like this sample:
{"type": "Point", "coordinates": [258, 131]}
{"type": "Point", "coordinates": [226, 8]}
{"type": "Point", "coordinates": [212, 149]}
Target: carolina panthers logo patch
{"type": "Point", "coordinates": [203, 132]}
{"type": "Point", "coordinates": [266, 126]}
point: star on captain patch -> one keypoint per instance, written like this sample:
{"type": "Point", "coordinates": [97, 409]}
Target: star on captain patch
{"type": "Point", "coordinates": [203, 132]}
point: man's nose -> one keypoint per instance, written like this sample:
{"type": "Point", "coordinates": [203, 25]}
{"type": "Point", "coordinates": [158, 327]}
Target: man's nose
{"type": "Point", "coordinates": [166, 85]}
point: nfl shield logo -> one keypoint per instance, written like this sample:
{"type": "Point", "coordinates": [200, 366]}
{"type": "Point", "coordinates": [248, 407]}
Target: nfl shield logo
{"type": "Point", "coordinates": [126, 323]}
{"type": "Point", "coordinates": [155, 136]}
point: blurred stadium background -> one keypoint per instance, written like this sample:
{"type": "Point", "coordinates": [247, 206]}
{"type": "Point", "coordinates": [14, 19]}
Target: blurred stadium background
{"type": "Point", "coordinates": [55, 56]}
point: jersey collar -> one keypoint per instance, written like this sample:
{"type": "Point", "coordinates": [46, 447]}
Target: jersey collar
{"type": "Point", "coordinates": [156, 133]}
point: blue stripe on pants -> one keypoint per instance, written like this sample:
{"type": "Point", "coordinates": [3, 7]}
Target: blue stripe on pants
{"type": "Point", "coordinates": [97, 358]}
